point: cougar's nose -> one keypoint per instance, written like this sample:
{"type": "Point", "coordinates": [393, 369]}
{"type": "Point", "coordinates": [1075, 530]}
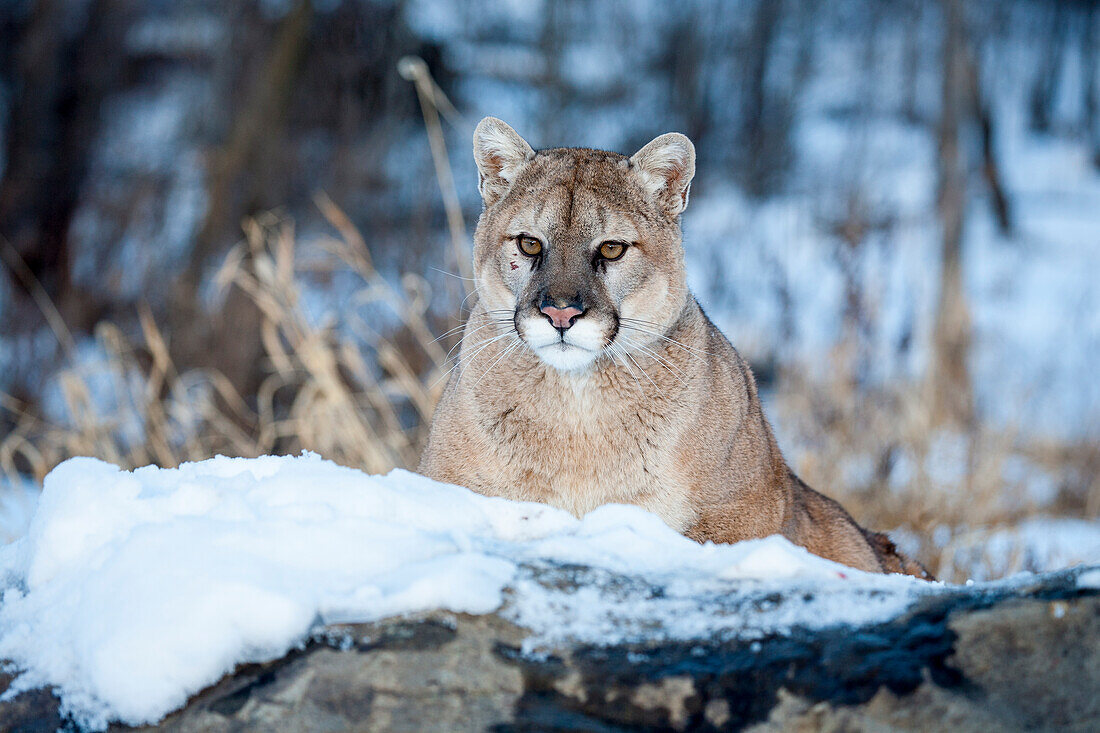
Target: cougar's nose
{"type": "Point", "coordinates": [561, 318]}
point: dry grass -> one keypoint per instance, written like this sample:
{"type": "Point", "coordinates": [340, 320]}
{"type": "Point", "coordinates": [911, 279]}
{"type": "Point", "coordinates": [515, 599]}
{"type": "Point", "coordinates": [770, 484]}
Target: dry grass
{"type": "Point", "coordinates": [947, 491]}
{"type": "Point", "coordinates": [355, 391]}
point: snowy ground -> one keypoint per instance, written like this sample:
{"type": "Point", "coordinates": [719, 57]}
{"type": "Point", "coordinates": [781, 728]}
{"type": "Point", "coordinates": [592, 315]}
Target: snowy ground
{"type": "Point", "coordinates": [133, 590]}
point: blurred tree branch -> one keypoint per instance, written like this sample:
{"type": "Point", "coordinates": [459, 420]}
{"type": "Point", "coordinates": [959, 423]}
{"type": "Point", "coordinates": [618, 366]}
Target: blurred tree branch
{"type": "Point", "coordinates": [257, 130]}
{"type": "Point", "coordinates": [952, 395]}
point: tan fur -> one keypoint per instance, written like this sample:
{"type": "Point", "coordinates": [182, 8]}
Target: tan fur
{"type": "Point", "coordinates": [659, 411]}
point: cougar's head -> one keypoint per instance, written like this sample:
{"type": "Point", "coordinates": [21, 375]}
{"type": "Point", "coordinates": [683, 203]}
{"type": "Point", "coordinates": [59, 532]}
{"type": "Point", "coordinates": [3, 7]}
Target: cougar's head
{"type": "Point", "coordinates": [582, 246]}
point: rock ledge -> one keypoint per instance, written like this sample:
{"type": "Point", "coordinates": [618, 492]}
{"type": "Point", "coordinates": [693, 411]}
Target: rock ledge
{"type": "Point", "coordinates": [1023, 658]}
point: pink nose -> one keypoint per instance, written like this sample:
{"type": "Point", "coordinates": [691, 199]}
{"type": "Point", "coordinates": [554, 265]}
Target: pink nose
{"type": "Point", "coordinates": [561, 317]}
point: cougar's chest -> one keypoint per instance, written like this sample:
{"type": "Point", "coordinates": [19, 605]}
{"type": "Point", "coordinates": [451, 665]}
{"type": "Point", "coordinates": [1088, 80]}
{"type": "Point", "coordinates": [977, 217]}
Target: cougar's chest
{"type": "Point", "coordinates": [579, 450]}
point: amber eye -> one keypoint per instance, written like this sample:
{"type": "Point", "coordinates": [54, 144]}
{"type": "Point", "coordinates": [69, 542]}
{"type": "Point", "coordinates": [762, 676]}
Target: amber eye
{"type": "Point", "coordinates": [612, 250]}
{"type": "Point", "coordinates": [529, 245]}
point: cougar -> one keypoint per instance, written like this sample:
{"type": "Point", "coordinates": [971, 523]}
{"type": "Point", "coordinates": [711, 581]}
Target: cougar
{"type": "Point", "coordinates": [588, 373]}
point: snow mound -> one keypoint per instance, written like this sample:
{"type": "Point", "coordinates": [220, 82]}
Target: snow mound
{"type": "Point", "coordinates": [131, 591]}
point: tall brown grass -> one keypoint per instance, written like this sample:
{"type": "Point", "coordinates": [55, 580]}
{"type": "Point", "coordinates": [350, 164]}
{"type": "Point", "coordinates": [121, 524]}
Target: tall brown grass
{"type": "Point", "coordinates": [946, 491]}
{"type": "Point", "coordinates": [357, 393]}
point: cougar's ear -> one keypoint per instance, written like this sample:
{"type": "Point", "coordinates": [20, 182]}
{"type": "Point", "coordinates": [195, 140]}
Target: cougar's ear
{"type": "Point", "coordinates": [666, 166]}
{"type": "Point", "coordinates": [500, 154]}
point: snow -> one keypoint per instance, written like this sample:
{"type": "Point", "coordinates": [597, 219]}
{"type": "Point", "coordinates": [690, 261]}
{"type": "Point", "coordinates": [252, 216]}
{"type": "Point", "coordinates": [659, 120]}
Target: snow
{"type": "Point", "coordinates": [1089, 579]}
{"type": "Point", "coordinates": [1036, 544]}
{"type": "Point", "coordinates": [18, 500]}
{"type": "Point", "coordinates": [131, 591]}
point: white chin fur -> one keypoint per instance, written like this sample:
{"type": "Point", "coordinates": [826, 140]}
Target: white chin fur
{"type": "Point", "coordinates": [583, 344]}
{"type": "Point", "coordinates": [566, 358]}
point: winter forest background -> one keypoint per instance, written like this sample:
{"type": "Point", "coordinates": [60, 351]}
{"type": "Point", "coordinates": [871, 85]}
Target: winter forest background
{"type": "Point", "coordinates": [231, 227]}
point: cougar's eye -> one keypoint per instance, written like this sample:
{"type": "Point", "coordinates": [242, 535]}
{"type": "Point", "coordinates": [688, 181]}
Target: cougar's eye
{"type": "Point", "coordinates": [529, 245]}
{"type": "Point", "coordinates": [612, 250]}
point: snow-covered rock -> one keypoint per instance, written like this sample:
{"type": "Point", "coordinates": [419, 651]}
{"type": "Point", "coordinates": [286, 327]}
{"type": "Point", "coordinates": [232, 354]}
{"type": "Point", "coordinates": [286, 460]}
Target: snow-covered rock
{"type": "Point", "coordinates": [133, 591]}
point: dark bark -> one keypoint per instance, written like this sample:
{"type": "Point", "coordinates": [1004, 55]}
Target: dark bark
{"type": "Point", "coordinates": [1090, 62]}
{"type": "Point", "coordinates": [258, 130]}
{"type": "Point", "coordinates": [1045, 86]}
{"type": "Point", "coordinates": [911, 63]}
{"type": "Point", "coordinates": [62, 81]}
{"type": "Point", "coordinates": [241, 170]}
{"type": "Point", "coordinates": [951, 388]}
{"type": "Point", "coordinates": [764, 122]}
{"type": "Point", "coordinates": [982, 112]}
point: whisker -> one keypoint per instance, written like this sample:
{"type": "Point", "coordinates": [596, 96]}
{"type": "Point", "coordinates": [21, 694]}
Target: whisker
{"type": "Point", "coordinates": [461, 363]}
{"type": "Point", "coordinates": [465, 363]}
{"type": "Point", "coordinates": [499, 357]}
{"type": "Point", "coordinates": [664, 362]}
{"type": "Point", "coordinates": [444, 272]}
{"type": "Point", "coordinates": [624, 322]}
{"type": "Point", "coordinates": [644, 373]}
{"type": "Point", "coordinates": [642, 321]}
{"type": "Point", "coordinates": [448, 332]}
{"type": "Point", "coordinates": [616, 357]}
{"type": "Point", "coordinates": [461, 326]}
{"type": "Point", "coordinates": [471, 333]}
{"type": "Point", "coordinates": [511, 348]}
{"type": "Point", "coordinates": [468, 296]}
{"type": "Point", "coordinates": [672, 342]}
{"type": "Point", "coordinates": [654, 355]}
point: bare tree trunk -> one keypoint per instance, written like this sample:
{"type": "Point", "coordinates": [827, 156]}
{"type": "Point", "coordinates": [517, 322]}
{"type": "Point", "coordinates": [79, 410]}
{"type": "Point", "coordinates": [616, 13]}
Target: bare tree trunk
{"type": "Point", "coordinates": [65, 70]}
{"type": "Point", "coordinates": [1090, 61]}
{"type": "Point", "coordinates": [757, 135]}
{"type": "Point", "coordinates": [257, 129]}
{"type": "Point", "coordinates": [550, 43]}
{"type": "Point", "coordinates": [952, 397]}
{"type": "Point", "coordinates": [981, 110]}
{"type": "Point", "coordinates": [1045, 88]}
{"type": "Point", "coordinates": [687, 67]}
{"type": "Point", "coordinates": [911, 62]}
{"type": "Point", "coordinates": [256, 132]}
{"type": "Point", "coordinates": [857, 329]}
